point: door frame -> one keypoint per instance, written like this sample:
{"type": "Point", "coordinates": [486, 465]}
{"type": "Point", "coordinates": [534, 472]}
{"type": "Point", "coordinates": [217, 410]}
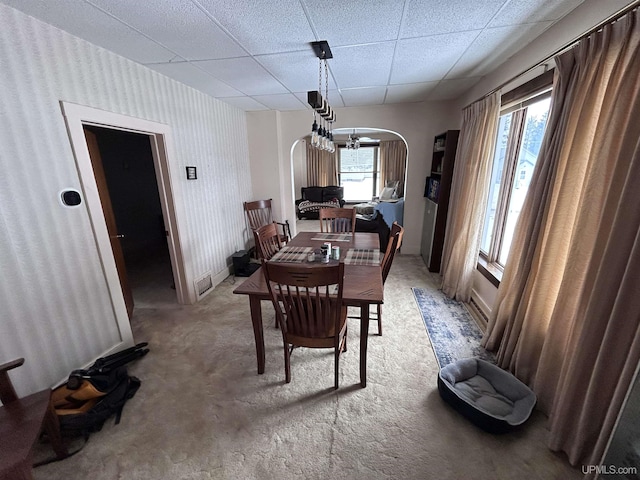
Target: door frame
{"type": "Point", "coordinates": [161, 141]}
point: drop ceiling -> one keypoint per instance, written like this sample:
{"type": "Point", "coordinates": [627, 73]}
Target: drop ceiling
{"type": "Point", "coordinates": [256, 54]}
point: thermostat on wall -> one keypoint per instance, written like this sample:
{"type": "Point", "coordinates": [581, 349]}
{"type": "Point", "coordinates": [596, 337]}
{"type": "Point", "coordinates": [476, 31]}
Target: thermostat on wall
{"type": "Point", "coordinates": [70, 198]}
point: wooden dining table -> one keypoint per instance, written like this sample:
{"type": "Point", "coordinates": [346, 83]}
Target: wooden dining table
{"type": "Point", "coordinates": [362, 285]}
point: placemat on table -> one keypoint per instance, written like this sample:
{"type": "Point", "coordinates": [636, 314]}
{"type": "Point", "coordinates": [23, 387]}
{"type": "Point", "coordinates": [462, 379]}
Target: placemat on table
{"type": "Point", "coordinates": [362, 256]}
{"type": "Point", "coordinates": [291, 254]}
{"type": "Point", "coordinates": [334, 237]}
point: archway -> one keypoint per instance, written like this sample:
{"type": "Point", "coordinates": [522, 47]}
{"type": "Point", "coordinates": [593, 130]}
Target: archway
{"type": "Point", "coordinates": [367, 135]}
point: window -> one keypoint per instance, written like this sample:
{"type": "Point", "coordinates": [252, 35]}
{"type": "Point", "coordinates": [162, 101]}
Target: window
{"type": "Point", "coordinates": [359, 172]}
{"type": "Point", "coordinates": [518, 141]}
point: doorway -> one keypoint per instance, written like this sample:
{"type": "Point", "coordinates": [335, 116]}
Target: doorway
{"type": "Point", "coordinates": [131, 196]}
{"type": "Point", "coordinates": [161, 142]}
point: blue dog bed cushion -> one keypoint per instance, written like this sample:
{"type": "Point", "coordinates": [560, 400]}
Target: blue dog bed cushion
{"type": "Point", "coordinates": [489, 396]}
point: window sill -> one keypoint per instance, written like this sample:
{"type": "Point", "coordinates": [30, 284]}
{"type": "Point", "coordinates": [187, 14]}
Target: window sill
{"type": "Point", "coordinates": [489, 271]}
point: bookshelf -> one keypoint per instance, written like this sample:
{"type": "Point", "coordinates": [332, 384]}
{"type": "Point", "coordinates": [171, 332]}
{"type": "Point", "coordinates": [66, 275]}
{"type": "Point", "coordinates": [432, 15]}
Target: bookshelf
{"type": "Point", "coordinates": [437, 191]}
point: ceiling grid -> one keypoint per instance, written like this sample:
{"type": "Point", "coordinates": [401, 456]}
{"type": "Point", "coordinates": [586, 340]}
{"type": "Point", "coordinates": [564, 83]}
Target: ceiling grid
{"type": "Point", "coordinates": [257, 55]}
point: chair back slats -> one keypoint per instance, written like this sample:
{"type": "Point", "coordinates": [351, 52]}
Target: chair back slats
{"type": "Point", "coordinates": [337, 220]}
{"type": "Point", "coordinates": [395, 240]}
{"type": "Point", "coordinates": [399, 230]}
{"type": "Point", "coordinates": [307, 305]}
{"type": "Point", "coordinates": [258, 213]}
{"type": "Point", "coordinates": [267, 240]}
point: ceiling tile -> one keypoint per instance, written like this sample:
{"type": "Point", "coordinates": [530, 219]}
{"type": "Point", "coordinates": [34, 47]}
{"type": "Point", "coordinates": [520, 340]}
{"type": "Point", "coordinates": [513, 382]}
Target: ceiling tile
{"type": "Point", "coordinates": [258, 52]}
{"type": "Point", "coordinates": [281, 102]}
{"type": "Point", "coordinates": [413, 92]}
{"type": "Point", "coordinates": [95, 26]}
{"type": "Point", "coordinates": [247, 104]}
{"type": "Point", "coordinates": [493, 47]}
{"type": "Point", "coordinates": [531, 11]}
{"type": "Point", "coordinates": [434, 17]}
{"type": "Point", "coordinates": [354, 97]}
{"type": "Point", "coordinates": [263, 26]}
{"type": "Point", "coordinates": [194, 77]}
{"type": "Point", "coordinates": [450, 89]}
{"type": "Point", "coordinates": [429, 58]}
{"type": "Point", "coordinates": [298, 71]}
{"type": "Point", "coordinates": [355, 21]}
{"type": "Point", "coordinates": [243, 74]}
{"type": "Point", "coordinates": [178, 25]}
{"type": "Point", "coordinates": [364, 65]}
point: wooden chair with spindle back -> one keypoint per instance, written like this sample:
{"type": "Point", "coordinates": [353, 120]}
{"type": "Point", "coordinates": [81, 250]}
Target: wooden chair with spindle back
{"type": "Point", "coordinates": [394, 244]}
{"type": "Point", "coordinates": [259, 214]}
{"type": "Point", "coordinates": [337, 220]}
{"type": "Point", "coordinates": [267, 240]}
{"type": "Point", "coordinates": [308, 310]}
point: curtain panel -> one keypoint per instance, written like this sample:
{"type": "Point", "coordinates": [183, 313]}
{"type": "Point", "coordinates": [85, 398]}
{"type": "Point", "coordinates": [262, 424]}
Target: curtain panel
{"type": "Point", "coordinates": [567, 316]}
{"type": "Point", "coordinates": [469, 192]}
{"type": "Point", "coordinates": [393, 163]}
{"type": "Point", "coordinates": [321, 167]}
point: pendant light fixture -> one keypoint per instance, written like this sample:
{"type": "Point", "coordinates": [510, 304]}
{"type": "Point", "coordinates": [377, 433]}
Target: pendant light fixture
{"type": "Point", "coordinates": [353, 142]}
{"type": "Point", "coordinates": [322, 135]}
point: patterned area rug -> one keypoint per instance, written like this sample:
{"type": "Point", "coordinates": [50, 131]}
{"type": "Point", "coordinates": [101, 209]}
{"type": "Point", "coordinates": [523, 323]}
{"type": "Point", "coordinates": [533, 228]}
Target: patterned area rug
{"type": "Point", "coordinates": [454, 334]}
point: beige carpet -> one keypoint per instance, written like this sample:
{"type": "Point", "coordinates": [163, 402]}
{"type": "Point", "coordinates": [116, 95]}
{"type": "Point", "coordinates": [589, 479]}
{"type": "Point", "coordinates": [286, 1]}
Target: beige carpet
{"type": "Point", "coordinates": [203, 412]}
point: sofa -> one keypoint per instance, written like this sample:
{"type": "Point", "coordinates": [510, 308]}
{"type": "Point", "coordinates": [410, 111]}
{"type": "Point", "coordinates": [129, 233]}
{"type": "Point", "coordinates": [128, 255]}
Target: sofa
{"type": "Point", "coordinates": [315, 198]}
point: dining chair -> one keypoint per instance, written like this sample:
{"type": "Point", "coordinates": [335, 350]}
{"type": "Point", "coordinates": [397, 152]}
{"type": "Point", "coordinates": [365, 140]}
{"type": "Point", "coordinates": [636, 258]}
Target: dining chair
{"type": "Point", "coordinates": [21, 422]}
{"type": "Point", "coordinates": [308, 310]}
{"type": "Point", "coordinates": [267, 240]}
{"type": "Point", "coordinates": [394, 244]}
{"type": "Point", "coordinates": [337, 220]}
{"type": "Point", "coordinates": [259, 213]}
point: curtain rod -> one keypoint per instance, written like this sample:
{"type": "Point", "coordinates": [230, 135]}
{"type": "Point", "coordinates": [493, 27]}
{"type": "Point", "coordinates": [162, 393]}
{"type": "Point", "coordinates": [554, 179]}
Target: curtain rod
{"type": "Point", "coordinates": [610, 19]}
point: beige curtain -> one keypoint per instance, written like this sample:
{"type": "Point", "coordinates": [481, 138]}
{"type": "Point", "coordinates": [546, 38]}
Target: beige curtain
{"type": "Point", "coordinates": [393, 163]}
{"type": "Point", "coordinates": [468, 200]}
{"type": "Point", "coordinates": [567, 315]}
{"type": "Point", "coordinates": [321, 167]}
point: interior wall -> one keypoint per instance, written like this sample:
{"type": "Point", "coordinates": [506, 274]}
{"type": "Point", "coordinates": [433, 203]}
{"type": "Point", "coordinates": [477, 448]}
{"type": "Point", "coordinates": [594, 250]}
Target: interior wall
{"type": "Point", "coordinates": [57, 312]}
{"type": "Point", "coordinates": [577, 22]}
{"type": "Point", "coordinates": [299, 156]}
{"type": "Point", "coordinates": [265, 144]}
{"type": "Point", "coordinates": [418, 123]}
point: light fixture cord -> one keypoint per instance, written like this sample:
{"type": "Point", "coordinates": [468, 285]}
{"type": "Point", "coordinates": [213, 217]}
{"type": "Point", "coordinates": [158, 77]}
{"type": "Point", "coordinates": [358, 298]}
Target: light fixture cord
{"type": "Point", "coordinates": [320, 76]}
{"type": "Point", "coordinates": [326, 81]}
{"type": "Point", "coordinates": [326, 90]}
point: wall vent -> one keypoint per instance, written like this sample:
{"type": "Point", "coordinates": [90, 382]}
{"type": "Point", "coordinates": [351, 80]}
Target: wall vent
{"type": "Point", "coordinates": [204, 285]}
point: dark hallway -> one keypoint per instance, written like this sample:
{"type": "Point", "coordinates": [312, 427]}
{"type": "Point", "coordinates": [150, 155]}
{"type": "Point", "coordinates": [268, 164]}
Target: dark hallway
{"type": "Point", "coordinates": [131, 179]}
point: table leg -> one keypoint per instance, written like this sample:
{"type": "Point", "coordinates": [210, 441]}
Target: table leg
{"type": "Point", "coordinates": [256, 320]}
{"type": "Point", "coordinates": [364, 338]}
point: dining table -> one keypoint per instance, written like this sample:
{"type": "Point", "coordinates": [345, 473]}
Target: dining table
{"type": "Point", "coordinates": [360, 253]}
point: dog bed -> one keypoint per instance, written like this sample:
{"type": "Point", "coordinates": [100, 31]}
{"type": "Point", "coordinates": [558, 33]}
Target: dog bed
{"type": "Point", "coordinates": [489, 396]}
